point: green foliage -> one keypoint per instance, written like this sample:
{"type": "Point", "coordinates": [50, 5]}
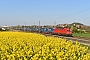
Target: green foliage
{"type": "Point", "coordinates": [87, 35]}
{"type": "Point", "coordinates": [75, 31]}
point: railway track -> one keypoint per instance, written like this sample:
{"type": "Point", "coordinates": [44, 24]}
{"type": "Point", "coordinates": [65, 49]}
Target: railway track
{"type": "Point", "coordinates": [74, 39]}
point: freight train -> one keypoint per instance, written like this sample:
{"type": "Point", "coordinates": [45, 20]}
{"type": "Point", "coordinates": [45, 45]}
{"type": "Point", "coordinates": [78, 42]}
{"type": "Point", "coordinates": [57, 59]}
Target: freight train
{"type": "Point", "coordinates": [57, 31]}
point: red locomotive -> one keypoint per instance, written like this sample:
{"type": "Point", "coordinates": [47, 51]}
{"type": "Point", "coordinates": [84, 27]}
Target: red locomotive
{"type": "Point", "coordinates": [63, 31]}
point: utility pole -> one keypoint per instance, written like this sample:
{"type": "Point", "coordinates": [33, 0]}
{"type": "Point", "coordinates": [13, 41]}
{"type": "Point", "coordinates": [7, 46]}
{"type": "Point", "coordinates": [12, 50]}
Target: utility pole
{"type": "Point", "coordinates": [19, 27]}
{"type": "Point", "coordinates": [39, 26]}
{"type": "Point", "coordinates": [34, 25]}
{"type": "Point", "coordinates": [55, 23]}
{"type": "Point", "coordinates": [25, 27]}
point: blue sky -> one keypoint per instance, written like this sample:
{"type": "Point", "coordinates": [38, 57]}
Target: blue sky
{"type": "Point", "coordinates": [19, 12]}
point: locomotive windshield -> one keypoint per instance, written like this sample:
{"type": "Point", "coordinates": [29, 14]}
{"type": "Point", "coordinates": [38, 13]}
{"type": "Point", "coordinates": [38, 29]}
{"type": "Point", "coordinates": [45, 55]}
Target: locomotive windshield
{"type": "Point", "coordinates": [69, 29]}
{"type": "Point", "coordinates": [60, 28]}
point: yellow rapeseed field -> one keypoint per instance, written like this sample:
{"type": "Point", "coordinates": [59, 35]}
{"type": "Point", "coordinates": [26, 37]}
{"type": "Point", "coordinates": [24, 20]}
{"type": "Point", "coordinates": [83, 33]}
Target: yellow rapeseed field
{"type": "Point", "coordinates": [32, 46]}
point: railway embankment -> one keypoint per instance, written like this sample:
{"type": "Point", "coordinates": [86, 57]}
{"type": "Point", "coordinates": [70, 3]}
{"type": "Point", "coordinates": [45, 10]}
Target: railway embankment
{"type": "Point", "coordinates": [85, 41]}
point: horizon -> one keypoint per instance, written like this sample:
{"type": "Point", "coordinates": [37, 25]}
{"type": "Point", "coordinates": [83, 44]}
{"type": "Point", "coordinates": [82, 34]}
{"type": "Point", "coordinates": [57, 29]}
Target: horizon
{"type": "Point", "coordinates": [40, 24]}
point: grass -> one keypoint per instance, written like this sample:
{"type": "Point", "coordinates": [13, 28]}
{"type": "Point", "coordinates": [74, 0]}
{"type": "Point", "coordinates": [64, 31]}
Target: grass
{"type": "Point", "coordinates": [82, 35]}
{"type": "Point", "coordinates": [89, 47]}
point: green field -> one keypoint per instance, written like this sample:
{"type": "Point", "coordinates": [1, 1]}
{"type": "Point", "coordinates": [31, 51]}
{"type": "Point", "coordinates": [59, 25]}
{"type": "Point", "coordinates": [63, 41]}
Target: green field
{"type": "Point", "coordinates": [81, 35]}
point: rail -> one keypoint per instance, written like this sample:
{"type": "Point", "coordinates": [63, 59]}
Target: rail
{"type": "Point", "coordinates": [74, 39]}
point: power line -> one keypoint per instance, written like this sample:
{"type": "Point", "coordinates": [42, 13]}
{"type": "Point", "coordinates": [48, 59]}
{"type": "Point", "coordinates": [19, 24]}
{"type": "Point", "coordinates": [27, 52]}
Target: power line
{"type": "Point", "coordinates": [83, 18]}
{"type": "Point", "coordinates": [74, 13]}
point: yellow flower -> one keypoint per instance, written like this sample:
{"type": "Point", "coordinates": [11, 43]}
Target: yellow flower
{"type": "Point", "coordinates": [34, 46]}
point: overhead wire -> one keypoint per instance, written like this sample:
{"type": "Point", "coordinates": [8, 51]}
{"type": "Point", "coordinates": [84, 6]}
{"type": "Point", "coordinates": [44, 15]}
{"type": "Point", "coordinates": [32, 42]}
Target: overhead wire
{"type": "Point", "coordinates": [74, 13]}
